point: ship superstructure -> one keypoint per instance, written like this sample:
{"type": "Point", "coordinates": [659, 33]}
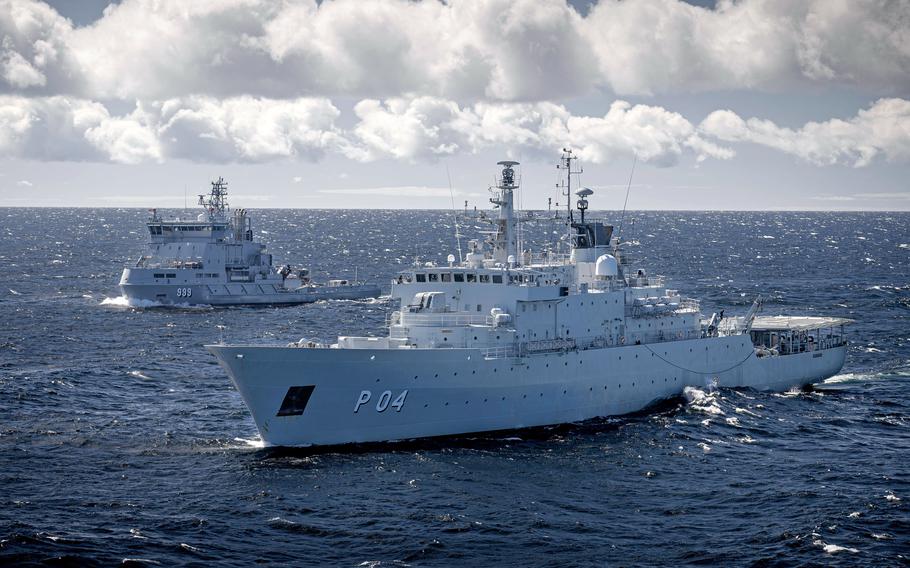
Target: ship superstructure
{"type": "Point", "coordinates": [509, 339]}
{"type": "Point", "coordinates": [216, 259]}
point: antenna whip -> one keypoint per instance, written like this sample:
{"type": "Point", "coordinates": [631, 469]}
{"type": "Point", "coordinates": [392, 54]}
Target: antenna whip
{"type": "Point", "coordinates": [628, 189]}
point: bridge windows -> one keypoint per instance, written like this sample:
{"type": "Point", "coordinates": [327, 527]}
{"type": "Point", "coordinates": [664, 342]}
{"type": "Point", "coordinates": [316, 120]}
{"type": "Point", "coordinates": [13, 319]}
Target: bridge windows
{"type": "Point", "coordinates": [458, 276]}
{"type": "Point", "coordinates": [446, 277]}
{"type": "Point", "coordinates": [472, 277]}
{"type": "Point", "coordinates": [485, 278]}
{"type": "Point", "coordinates": [497, 279]}
{"type": "Point", "coordinates": [420, 277]}
{"type": "Point", "coordinates": [433, 277]}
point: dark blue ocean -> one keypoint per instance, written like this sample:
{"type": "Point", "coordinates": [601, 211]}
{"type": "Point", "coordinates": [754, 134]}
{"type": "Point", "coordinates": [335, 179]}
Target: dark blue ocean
{"type": "Point", "coordinates": [121, 440]}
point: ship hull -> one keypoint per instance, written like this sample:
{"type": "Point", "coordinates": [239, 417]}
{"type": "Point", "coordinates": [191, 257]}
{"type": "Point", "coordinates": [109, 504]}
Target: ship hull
{"type": "Point", "coordinates": [378, 395]}
{"type": "Point", "coordinates": [235, 294]}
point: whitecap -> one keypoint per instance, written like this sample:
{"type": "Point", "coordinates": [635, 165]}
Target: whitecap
{"type": "Point", "coordinates": [747, 412]}
{"type": "Point", "coordinates": [700, 401]}
{"type": "Point", "coordinates": [189, 547]}
{"type": "Point", "coordinates": [892, 497]}
{"type": "Point", "coordinates": [140, 375]}
{"type": "Point", "coordinates": [833, 548]}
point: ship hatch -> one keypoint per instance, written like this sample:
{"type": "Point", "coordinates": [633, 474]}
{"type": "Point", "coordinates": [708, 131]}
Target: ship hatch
{"type": "Point", "coordinates": [295, 401]}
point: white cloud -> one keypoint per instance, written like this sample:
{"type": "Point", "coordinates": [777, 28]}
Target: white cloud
{"type": "Point", "coordinates": [493, 50]}
{"type": "Point", "coordinates": [247, 129]}
{"type": "Point", "coordinates": [426, 128]}
{"type": "Point", "coordinates": [24, 183]}
{"type": "Point", "coordinates": [882, 129]}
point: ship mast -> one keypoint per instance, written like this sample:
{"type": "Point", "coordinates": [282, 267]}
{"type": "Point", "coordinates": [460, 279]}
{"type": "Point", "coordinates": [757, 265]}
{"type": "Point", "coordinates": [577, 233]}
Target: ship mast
{"type": "Point", "coordinates": [216, 201]}
{"type": "Point", "coordinates": [565, 186]}
{"type": "Point", "coordinates": [505, 246]}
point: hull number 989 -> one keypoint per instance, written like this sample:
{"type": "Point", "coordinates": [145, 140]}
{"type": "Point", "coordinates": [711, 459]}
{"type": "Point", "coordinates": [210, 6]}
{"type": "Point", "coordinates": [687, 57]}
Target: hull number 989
{"type": "Point", "coordinates": [383, 402]}
{"type": "Point", "coordinates": [184, 292]}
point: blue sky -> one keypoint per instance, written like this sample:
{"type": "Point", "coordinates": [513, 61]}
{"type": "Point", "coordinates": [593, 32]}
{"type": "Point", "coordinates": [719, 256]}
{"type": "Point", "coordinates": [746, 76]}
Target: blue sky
{"type": "Point", "coordinates": [739, 105]}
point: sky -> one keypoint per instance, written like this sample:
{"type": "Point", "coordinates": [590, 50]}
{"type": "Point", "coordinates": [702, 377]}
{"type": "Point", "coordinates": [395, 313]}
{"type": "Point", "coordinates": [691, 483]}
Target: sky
{"type": "Point", "coordinates": [727, 105]}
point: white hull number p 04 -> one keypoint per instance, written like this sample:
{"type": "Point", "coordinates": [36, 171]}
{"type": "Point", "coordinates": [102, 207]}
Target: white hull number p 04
{"type": "Point", "coordinates": [383, 402]}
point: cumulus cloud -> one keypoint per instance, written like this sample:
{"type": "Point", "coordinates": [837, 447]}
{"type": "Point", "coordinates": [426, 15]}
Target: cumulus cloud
{"type": "Point", "coordinates": [426, 127]}
{"type": "Point", "coordinates": [483, 50]}
{"type": "Point", "coordinates": [240, 129]}
{"type": "Point", "coordinates": [882, 129]}
{"type": "Point", "coordinates": [248, 129]}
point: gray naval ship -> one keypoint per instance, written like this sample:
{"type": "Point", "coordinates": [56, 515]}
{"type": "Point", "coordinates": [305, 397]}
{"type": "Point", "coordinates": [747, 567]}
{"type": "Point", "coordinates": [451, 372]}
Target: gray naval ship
{"type": "Point", "coordinates": [214, 259]}
{"type": "Point", "coordinates": [507, 339]}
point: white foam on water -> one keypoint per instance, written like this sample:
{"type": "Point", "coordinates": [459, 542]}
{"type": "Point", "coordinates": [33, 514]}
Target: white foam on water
{"type": "Point", "coordinates": [854, 515]}
{"type": "Point", "coordinates": [14, 293]}
{"type": "Point", "coordinates": [252, 442]}
{"type": "Point", "coordinates": [186, 546]}
{"type": "Point", "coordinates": [848, 378]}
{"type": "Point", "coordinates": [746, 411]}
{"type": "Point", "coordinates": [892, 497]}
{"type": "Point", "coordinates": [701, 401]}
{"type": "Point", "coordinates": [705, 447]}
{"type": "Point", "coordinates": [833, 548]}
{"type": "Point", "coordinates": [733, 421]}
{"type": "Point", "coordinates": [124, 302]}
{"type": "Point", "coordinates": [139, 375]}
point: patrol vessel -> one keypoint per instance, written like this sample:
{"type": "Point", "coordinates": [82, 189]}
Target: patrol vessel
{"type": "Point", "coordinates": [214, 259]}
{"type": "Point", "coordinates": [507, 339]}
